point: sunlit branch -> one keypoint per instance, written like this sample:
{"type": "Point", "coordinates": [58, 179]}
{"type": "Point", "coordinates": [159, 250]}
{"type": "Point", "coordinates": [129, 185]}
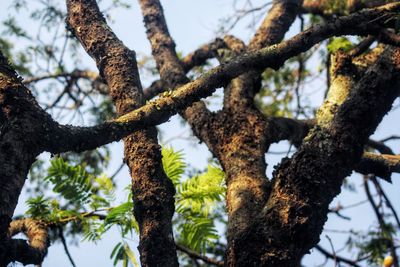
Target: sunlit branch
{"type": "Point", "coordinates": [362, 23]}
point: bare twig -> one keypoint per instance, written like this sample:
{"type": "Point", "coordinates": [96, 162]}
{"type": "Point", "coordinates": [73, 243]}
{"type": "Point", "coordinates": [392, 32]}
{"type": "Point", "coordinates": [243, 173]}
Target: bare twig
{"type": "Point", "coordinates": [196, 255]}
{"type": "Point", "coordinates": [381, 221]}
{"type": "Point", "coordinates": [387, 200]}
{"type": "Point", "coordinates": [335, 257]}
{"type": "Point", "coordinates": [64, 243]}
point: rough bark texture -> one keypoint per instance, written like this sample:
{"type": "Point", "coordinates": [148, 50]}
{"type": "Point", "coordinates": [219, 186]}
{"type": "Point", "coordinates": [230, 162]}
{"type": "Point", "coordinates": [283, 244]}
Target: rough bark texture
{"type": "Point", "coordinates": [21, 129]}
{"type": "Point", "coordinates": [68, 138]}
{"type": "Point", "coordinates": [171, 70]}
{"type": "Point", "coordinates": [152, 191]}
{"type": "Point", "coordinates": [303, 186]}
{"type": "Point", "coordinates": [38, 239]}
{"type": "Point", "coordinates": [271, 223]}
{"type": "Point", "coordinates": [340, 7]}
{"type": "Point", "coordinates": [243, 149]}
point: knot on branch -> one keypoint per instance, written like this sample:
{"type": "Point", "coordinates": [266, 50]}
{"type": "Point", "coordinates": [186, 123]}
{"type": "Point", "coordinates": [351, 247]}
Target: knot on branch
{"type": "Point", "coordinates": [31, 251]}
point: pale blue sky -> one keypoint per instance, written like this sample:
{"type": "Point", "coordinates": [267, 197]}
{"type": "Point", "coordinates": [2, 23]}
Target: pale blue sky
{"type": "Point", "coordinates": [192, 23]}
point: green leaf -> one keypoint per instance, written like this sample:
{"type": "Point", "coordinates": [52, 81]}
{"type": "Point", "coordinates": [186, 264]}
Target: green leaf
{"type": "Point", "coordinates": [173, 164]}
{"type": "Point", "coordinates": [339, 43]}
{"type": "Point", "coordinates": [196, 198]}
{"type": "Point", "coordinates": [130, 255]}
{"type": "Point", "coordinates": [39, 207]}
{"type": "Point", "coordinates": [119, 213]}
{"type": "Point", "coordinates": [197, 233]}
{"type": "Point", "coordinates": [122, 215]}
{"type": "Point", "coordinates": [200, 193]}
{"type": "Point", "coordinates": [122, 252]}
{"type": "Point", "coordinates": [72, 182]}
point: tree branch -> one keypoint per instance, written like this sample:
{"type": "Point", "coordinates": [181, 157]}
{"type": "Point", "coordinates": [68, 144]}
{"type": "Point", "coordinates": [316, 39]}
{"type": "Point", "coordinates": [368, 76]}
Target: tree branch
{"type": "Point", "coordinates": [196, 255]}
{"type": "Point", "coordinates": [200, 56]}
{"type": "Point", "coordinates": [336, 257]}
{"type": "Point", "coordinates": [35, 250]}
{"type": "Point", "coordinates": [241, 92]}
{"type": "Point", "coordinates": [160, 110]}
{"type": "Point", "coordinates": [380, 146]}
{"type": "Point", "coordinates": [154, 89]}
{"type": "Point", "coordinates": [168, 64]}
{"type": "Point", "coordinates": [64, 243]}
{"type": "Point", "coordinates": [279, 128]}
{"type": "Point", "coordinates": [151, 188]}
{"type": "Point", "coordinates": [380, 165]}
{"type": "Point", "coordinates": [382, 223]}
{"type": "Point", "coordinates": [194, 59]}
{"type": "Point", "coordinates": [84, 74]}
{"type": "Point", "coordinates": [305, 184]}
{"type": "Point", "coordinates": [327, 8]}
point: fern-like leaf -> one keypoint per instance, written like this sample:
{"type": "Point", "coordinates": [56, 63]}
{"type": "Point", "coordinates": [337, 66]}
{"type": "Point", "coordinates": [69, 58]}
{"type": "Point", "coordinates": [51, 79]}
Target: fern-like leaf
{"type": "Point", "coordinates": [72, 182]}
{"type": "Point", "coordinates": [173, 164]}
{"type": "Point", "coordinates": [200, 193]}
{"type": "Point", "coordinates": [122, 216]}
{"type": "Point", "coordinates": [198, 232]}
{"type": "Point", "coordinates": [195, 200]}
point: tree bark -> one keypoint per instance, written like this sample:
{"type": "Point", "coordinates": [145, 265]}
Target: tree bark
{"type": "Point", "coordinates": [21, 130]}
{"type": "Point", "coordinates": [303, 186]}
{"type": "Point", "coordinates": [152, 191]}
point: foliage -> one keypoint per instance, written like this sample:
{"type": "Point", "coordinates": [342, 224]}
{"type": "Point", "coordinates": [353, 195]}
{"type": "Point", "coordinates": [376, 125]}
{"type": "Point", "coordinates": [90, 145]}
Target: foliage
{"type": "Point", "coordinates": [86, 202]}
{"type": "Point", "coordinates": [196, 199]}
{"type": "Point", "coordinates": [122, 252]}
{"type": "Point", "coordinates": [173, 164]}
{"type": "Point", "coordinates": [339, 43]}
{"type": "Point", "coordinates": [83, 199]}
{"type": "Point", "coordinates": [72, 182]}
{"type": "Point", "coordinates": [374, 244]}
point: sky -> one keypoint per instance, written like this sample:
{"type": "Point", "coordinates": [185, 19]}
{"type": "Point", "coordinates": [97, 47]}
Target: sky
{"type": "Point", "coordinates": [193, 23]}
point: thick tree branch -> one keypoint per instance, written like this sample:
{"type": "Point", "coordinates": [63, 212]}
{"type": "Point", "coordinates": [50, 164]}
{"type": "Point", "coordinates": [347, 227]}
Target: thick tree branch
{"type": "Point", "coordinates": [33, 251]}
{"type": "Point", "coordinates": [154, 89]}
{"type": "Point", "coordinates": [306, 184]}
{"type": "Point", "coordinates": [329, 8]}
{"type": "Point", "coordinates": [168, 64]}
{"type": "Point", "coordinates": [280, 17]}
{"type": "Point", "coordinates": [202, 54]}
{"type": "Point", "coordinates": [275, 25]}
{"type": "Point", "coordinates": [160, 110]}
{"type": "Point", "coordinates": [152, 190]}
{"type": "Point", "coordinates": [22, 124]}
{"type": "Point", "coordinates": [194, 59]}
{"type": "Point", "coordinates": [379, 165]}
{"type": "Point", "coordinates": [380, 146]}
{"type": "Point", "coordinates": [19, 110]}
{"type": "Point", "coordinates": [163, 46]}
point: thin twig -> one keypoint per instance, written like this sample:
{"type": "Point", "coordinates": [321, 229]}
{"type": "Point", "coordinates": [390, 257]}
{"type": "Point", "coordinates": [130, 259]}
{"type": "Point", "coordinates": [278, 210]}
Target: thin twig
{"type": "Point", "coordinates": [362, 46]}
{"type": "Point", "coordinates": [338, 258]}
{"type": "Point", "coordinates": [387, 200]}
{"type": "Point", "coordinates": [381, 220]}
{"type": "Point", "coordinates": [196, 255]}
{"type": "Point", "coordinates": [64, 243]}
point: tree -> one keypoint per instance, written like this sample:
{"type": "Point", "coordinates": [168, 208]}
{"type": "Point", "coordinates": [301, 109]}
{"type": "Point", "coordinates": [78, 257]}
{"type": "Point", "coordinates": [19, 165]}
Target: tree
{"type": "Point", "coordinates": [270, 222]}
